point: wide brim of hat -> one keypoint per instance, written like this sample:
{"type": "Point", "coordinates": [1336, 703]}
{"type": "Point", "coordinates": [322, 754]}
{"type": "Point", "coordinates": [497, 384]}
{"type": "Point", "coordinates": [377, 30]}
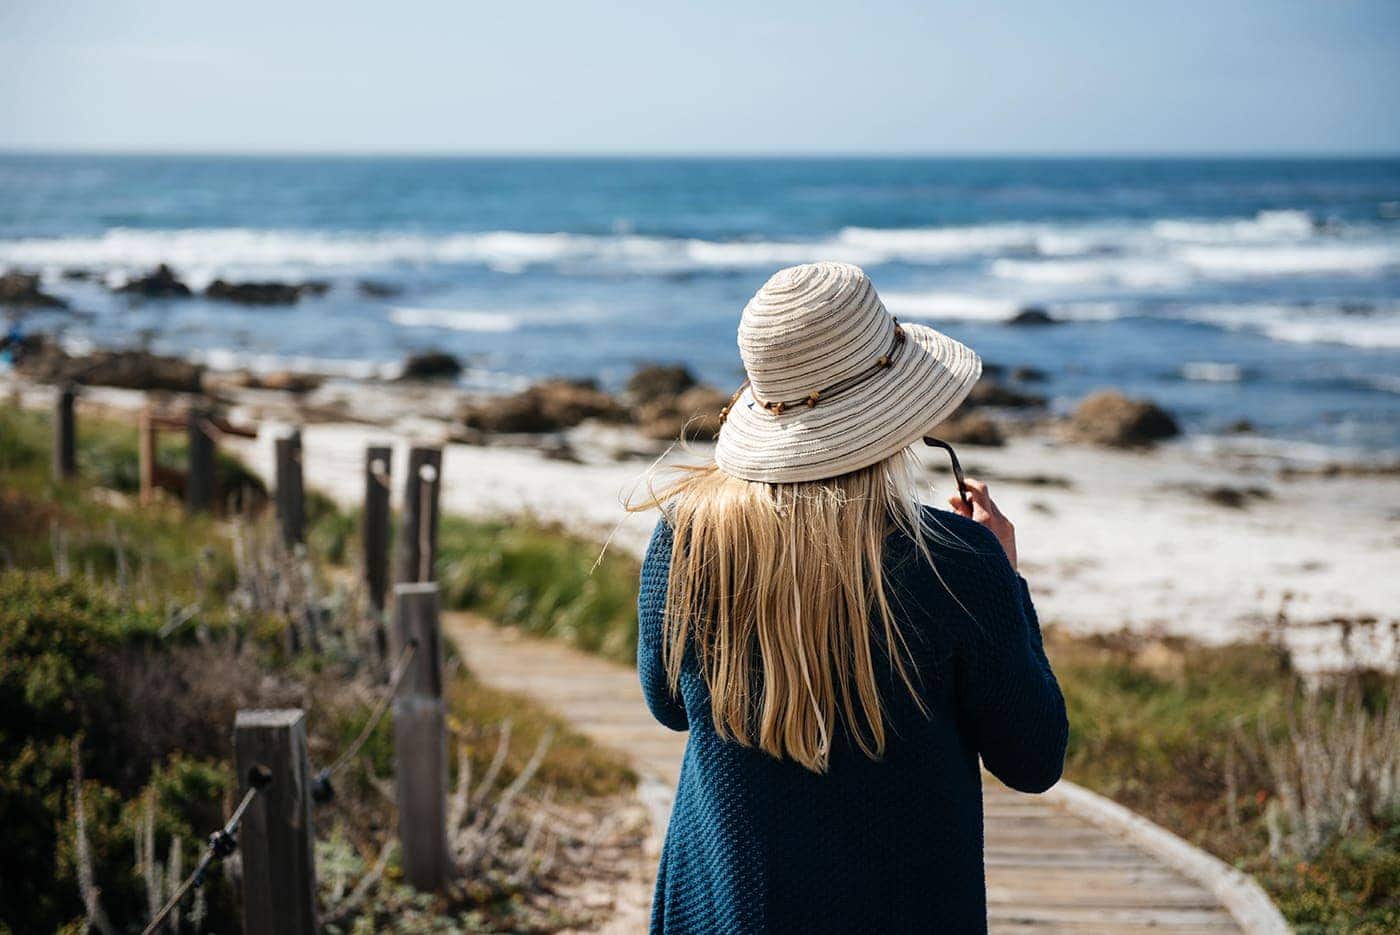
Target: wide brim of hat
{"type": "Point", "coordinates": [862, 426]}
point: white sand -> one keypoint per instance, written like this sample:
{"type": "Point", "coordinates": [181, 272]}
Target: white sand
{"type": "Point", "coordinates": [1123, 547]}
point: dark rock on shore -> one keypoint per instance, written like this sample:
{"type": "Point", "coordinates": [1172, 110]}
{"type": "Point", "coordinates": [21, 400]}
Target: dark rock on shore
{"type": "Point", "coordinates": [431, 365]}
{"type": "Point", "coordinates": [264, 293]}
{"type": "Point", "coordinates": [375, 289]}
{"type": "Point", "coordinates": [1033, 316]}
{"type": "Point", "coordinates": [1110, 418]}
{"type": "Point", "coordinates": [692, 414]}
{"type": "Point", "coordinates": [159, 283]}
{"type": "Point", "coordinates": [549, 406]}
{"type": "Point", "coordinates": [973, 428]}
{"type": "Point", "coordinates": [135, 370]}
{"type": "Point", "coordinates": [22, 290]}
{"type": "Point", "coordinates": [991, 393]}
{"type": "Point", "coordinates": [654, 382]}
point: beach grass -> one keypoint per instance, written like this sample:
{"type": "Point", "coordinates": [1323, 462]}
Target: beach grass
{"type": "Point", "coordinates": [93, 673]}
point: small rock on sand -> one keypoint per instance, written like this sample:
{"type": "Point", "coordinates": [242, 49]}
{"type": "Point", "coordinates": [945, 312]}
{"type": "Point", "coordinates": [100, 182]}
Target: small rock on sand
{"type": "Point", "coordinates": [548, 406]}
{"type": "Point", "coordinates": [694, 412]}
{"type": "Point", "coordinates": [22, 290]}
{"type": "Point", "coordinates": [974, 428]}
{"type": "Point", "coordinates": [1110, 418]}
{"type": "Point", "coordinates": [652, 382]}
{"type": "Point", "coordinates": [989, 392]}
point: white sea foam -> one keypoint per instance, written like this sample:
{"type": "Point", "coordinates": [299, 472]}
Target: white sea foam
{"type": "Point", "coordinates": [1127, 253]}
{"type": "Point", "coordinates": [1302, 259]}
{"type": "Point", "coordinates": [1304, 324]}
{"type": "Point", "coordinates": [1265, 226]}
{"type": "Point", "coordinates": [454, 319]}
{"type": "Point", "coordinates": [949, 306]}
{"type": "Point", "coordinates": [1133, 272]}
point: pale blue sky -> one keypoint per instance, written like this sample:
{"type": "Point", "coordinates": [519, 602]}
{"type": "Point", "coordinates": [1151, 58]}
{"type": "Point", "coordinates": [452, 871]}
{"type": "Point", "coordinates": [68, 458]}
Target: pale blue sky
{"type": "Point", "coordinates": [718, 76]}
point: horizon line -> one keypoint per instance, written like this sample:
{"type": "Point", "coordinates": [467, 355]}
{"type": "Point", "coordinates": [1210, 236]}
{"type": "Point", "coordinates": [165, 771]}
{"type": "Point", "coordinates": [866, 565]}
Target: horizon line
{"type": "Point", "coordinates": [433, 153]}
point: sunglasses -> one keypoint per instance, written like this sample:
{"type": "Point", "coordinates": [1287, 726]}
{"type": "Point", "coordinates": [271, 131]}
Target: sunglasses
{"type": "Point", "coordinates": [957, 467]}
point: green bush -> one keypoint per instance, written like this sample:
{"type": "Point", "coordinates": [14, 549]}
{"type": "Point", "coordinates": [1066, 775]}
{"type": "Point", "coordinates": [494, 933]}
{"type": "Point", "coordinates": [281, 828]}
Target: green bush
{"type": "Point", "coordinates": [542, 579]}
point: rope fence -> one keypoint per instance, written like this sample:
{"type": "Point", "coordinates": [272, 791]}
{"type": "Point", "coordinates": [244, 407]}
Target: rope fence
{"type": "Point", "coordinates": [222, 843]}
{"type": "Point", "coordinates": [271, 827]}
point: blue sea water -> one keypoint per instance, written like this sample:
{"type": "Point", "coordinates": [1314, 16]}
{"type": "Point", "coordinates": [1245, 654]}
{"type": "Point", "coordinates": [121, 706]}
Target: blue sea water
{"type": "Point", "coordinates": [1227, 289]}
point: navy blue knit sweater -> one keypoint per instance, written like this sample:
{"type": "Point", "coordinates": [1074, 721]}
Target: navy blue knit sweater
{"type": "Point", "coordinates": [756, 844]}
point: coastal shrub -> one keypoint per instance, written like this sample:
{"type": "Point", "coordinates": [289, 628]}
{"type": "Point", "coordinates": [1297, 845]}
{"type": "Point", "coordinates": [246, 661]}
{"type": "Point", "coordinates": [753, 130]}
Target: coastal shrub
{"type": "Point", "coordinates": [543, 579]}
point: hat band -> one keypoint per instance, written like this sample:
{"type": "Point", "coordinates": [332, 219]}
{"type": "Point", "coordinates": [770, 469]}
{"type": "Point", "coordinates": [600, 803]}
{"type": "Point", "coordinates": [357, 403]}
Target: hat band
{"type": "Point", "coordinates": [883, 362]}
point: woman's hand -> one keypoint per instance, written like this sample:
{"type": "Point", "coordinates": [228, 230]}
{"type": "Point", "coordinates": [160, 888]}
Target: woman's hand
{"type": "Point", "coordinates": [985, 511]}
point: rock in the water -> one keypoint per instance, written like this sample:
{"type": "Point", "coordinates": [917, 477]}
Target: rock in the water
{"type": "Point", "coordinates": [431, 365]}
{"type": "Point", "coordinates": [1033, 315]}
{"type": "Point", "coordinates": [548, 406]}
{"type": "Point", "coordinates": [1110, 418]}
{"type": "Point", "coordinates": [376, 289]}
{"type": "Point", "coordinates": [1027, 374]}
{"type": "Point", "coordinates": [693, 415]}
{"type": "Point", "coordinates": [159, 283]}
{"type": "Point", "coordinates": [991, 393]}
{"type": "Point", "coordinates": [263, 293]}
{"type": "Point", "coordinates": [972, 429]}
{"type": "Point", "coordinates": [135, 370]}
{"type": "Point", "coordinates": [22, 290]}
{"type": "Point", "coordinates": [654, 382]}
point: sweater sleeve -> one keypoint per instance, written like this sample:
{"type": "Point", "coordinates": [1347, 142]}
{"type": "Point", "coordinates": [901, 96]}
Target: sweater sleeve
{"type": "Point", "coordinates": [1010, 698]}
{"type": "Point", "coordinates": [651, 609]}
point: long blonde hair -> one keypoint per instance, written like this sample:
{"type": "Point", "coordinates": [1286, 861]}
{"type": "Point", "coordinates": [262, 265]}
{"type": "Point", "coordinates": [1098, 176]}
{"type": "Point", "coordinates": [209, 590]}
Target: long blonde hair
{"type": "Point", "coordinates": [788, 576]}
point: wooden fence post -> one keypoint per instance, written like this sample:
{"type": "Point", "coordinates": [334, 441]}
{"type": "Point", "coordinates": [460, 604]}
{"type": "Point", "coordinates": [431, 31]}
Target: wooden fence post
{"type": "Point", "coordinates": [279, 868]}
{"type": "Point", "coordinates": [378, 462]}
{"type": "Point", "coordinates": [146, 454]}
{"type": "Point", "coordinates": [418, 531]}
{"type": "Point", "coordinates": [199, 484]}
{"type": "Point", "coordinates": [291, 496]}
{"type": "Point", "coordinates": [420, 740]}
{"type": "Point", "coordinates": [65, 461]}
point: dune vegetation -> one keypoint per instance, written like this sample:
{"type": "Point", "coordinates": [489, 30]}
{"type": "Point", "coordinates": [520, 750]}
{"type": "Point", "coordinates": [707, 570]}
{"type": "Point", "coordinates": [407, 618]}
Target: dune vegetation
{"type": "Point", "coordinates": [129, 637]}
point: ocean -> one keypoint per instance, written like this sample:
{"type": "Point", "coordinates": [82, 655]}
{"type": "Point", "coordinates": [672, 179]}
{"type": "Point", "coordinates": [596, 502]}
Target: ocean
{"type": "Point", "coordinates": [1225, 289]}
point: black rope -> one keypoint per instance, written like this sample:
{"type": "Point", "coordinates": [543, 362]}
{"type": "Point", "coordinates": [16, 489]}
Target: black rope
{"type": "Point", "coordinates": [321, 789]}
{"type": "Point", "coordinates": [222, 843]}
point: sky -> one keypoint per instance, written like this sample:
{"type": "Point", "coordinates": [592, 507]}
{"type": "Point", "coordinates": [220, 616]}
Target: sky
{"type": "Point", "coordinates": [704, 77]}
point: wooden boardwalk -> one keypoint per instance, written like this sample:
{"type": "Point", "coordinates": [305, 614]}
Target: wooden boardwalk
{"type": "Point", "coordinates": [1047, 870]}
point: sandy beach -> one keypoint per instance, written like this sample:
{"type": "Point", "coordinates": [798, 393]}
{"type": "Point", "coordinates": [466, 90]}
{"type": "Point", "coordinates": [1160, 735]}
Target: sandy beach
{"type": "Point", "coordinates": [1110, 541]}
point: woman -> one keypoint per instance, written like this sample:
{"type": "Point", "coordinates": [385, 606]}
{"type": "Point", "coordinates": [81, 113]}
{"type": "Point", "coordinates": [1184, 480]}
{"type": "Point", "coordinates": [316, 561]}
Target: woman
{"type": "Point", "coordinates": [841, 656]}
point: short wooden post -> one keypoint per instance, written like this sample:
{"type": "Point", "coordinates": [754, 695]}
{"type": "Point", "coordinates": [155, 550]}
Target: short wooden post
{"type": "Point", "coordinates": [291, 500]}
{"type": "Point", "coordinates": [279, 868]}
{"type": "Point", "coordinates": [378, 461]}
{"type": "Point", "coordinates": [199, 485]}
{"type": "Point", "coordinates": [418, 532]}
{"type": "Point", "coordinates": [420, 740]}
{"type": "Point", "coordinates": [146, 454]}
{"type": "Point", "coordinates": [65, 459]}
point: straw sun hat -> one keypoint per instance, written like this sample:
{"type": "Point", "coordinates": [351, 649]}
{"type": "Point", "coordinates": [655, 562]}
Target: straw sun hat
{"type": "Point", "coordinates": [835, 383]}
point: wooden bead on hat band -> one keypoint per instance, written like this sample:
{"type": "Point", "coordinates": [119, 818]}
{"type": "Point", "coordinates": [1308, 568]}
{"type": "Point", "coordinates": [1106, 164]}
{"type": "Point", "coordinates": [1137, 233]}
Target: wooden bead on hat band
{"type": "Point", "coordinates": [883, 362]}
